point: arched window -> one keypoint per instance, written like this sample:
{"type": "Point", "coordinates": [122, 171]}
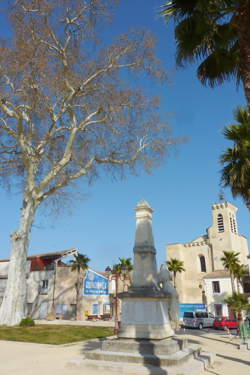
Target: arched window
{"type": "Point", "coordinates": [203, 263]}
{"type": "Point", "coordinates": [220, 223]}
{"type": "Point", "coordinates": [234, 224]}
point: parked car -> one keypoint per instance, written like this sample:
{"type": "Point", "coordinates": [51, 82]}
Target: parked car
{"type": "Point", "coordinates": [198, 319]}
{"type": "Point", "coordinates": [223, 322]}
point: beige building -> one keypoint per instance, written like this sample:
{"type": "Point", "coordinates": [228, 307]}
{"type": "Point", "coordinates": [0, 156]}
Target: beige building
{"type": "Point", "coordinates": [202, 256]}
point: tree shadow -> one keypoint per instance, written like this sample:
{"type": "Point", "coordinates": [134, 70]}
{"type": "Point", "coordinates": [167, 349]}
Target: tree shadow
{"type": "Point", "coordinates": [223, 341]}
{"type": "Point", "coordinates": [202, 334]}
{"type": "Point", "coordinates": [247, 363]}
{"type": "Point", "coordinates": [150, 358]}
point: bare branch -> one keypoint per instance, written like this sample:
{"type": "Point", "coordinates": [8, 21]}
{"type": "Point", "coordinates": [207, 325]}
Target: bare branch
{"type": "Point", "coordinates": [10, 131]}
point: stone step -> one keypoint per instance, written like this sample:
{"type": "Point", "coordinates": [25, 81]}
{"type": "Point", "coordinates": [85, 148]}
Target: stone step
{"type": "Point", "coordinates": [143, 359]}
{"type": "Point", "coordinates": [91, 367]}
{"type": "Point", "coordinates": [164, 347]}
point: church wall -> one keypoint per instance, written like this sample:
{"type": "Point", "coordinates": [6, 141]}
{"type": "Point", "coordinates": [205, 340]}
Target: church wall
{"type": "Point", "coordinates": [221, 236]}
{"type": "Point", "coordinates": [188, 282]}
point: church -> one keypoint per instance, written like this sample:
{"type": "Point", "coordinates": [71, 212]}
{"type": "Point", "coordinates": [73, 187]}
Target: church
{"type": "Point", "coordinates": [202, 262]}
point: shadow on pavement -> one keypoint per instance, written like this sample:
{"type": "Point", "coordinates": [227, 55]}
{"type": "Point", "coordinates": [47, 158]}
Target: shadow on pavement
{"type": "Point", "coordinates": [91, 344]}
{"type": "Point", "coordinates": [146, 362]}
{"type": "Point", "coordinates": [247, 363]}
{"type": "Point", "coordinates": [202, 334]}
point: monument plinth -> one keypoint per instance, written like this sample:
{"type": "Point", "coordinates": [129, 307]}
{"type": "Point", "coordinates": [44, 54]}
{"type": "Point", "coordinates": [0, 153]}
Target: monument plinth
{"type": "Point", "coordinates": [145, 305]}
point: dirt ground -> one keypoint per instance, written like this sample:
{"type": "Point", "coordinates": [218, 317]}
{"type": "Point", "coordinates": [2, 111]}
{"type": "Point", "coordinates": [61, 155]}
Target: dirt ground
{"type": "Point", "coordinates": [37, 359]}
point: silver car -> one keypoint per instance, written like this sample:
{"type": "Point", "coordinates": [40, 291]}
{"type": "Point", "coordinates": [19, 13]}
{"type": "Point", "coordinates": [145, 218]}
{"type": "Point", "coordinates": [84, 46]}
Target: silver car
{"type": "Point", "coordinates": [198, 319]}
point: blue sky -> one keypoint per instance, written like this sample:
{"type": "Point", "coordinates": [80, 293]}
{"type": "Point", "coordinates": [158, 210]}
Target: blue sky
{"type": "Point", "coordinates": [181, 191]}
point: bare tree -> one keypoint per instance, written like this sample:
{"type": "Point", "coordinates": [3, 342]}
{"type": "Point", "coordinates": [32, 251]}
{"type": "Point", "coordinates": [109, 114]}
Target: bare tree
{"type": "Point", "coordinates": [69, 105]}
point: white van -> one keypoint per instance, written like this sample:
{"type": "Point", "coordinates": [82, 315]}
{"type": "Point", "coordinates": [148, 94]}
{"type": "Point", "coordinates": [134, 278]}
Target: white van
{"type": "Point", "coordinates": [198, 319]}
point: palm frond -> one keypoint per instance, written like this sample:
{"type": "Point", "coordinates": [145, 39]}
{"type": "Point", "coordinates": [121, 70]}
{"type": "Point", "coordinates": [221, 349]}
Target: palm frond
{"type": "Point", "coordinates": [219, 66]}
{"type": "Point", "coordinates": [236, 160]}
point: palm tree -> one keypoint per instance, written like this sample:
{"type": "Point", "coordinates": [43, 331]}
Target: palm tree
{"type": "Point", "coordinates": [216, 32]}
{"type": "Point", "coordinates": [236, 172]}
{"type": "Point", "coordinates": [79, 264]}
{"type": "Point", "coordinates": [239, 272]}
{"type": "Point", "coordinates": [175, 265]}
{"type": "Point", "coordinates": [123, 268]}
{"type": "Point", "coordinates": [238, 303]}
{"type": "Point", "coordinates": [230, 260]}
{"type": "Point", "coordinates": [125, 265]}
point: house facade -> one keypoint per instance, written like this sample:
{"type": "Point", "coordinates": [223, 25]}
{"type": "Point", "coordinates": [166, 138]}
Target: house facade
{"type": "Point", "coordinates": [218, 286]}
{"type": "Point", "coordinates": [202, 257]}
{"type": "Point", "coordinates": [50, 283]}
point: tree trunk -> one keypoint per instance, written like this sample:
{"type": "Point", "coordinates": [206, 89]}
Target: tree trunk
{"type": "Point", "coordinates": [246, 79]}
{"type": "Point", "coordinates": [13, 308]}
{"type": "Point", "coordinates": [175, 280]}
{"type": "Point", "coordinates": [245, 51]}
{"type": "Point", "coordinates": [232, 282]}
{"type": "Point", "coordinates": [78, 296]}
{"type": "Point", "coordinates": [238, 286]}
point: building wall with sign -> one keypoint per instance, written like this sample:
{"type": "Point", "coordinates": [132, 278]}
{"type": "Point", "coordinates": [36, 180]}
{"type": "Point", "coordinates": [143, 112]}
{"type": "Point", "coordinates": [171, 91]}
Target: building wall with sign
{"type": "Point", "coordinates": [95, 298]}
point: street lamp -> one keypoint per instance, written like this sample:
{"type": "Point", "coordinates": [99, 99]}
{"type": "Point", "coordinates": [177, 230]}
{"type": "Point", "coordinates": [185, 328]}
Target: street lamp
{"type": "Point", "coordinates": [114, 276]}
{"type": "Point", "coordinates": [123, 270]}
{"type": "Point", "coordinates": [116, 304]}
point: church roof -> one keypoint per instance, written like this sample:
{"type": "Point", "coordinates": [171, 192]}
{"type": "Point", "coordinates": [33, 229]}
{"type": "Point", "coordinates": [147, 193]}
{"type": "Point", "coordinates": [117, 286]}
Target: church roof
{"type": "Point", "coordinates": [217, 274]}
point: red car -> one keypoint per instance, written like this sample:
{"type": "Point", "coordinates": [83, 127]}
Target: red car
{"type": "Point", "coordinates": [223, 321]}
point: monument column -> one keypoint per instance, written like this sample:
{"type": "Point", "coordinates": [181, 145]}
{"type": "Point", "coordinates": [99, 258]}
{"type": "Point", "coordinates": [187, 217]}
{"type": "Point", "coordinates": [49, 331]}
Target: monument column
{"type": "Point", "coordinates": [145, 269]}
{"type": "Point", "coordinates": [145, 305]}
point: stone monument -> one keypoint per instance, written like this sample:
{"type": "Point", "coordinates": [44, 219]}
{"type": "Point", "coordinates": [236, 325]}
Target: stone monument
{"type": "Point", "coordinates": [145, 305]}
{"type": "Point", "coordinates": [145, 342]}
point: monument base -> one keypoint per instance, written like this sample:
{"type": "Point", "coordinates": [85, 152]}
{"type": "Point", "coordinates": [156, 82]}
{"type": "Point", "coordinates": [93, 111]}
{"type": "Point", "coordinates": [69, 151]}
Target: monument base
{"type": "Point", "coordinates": [146, 357]}
{"type": "Point", "coordinates": [145, 318]}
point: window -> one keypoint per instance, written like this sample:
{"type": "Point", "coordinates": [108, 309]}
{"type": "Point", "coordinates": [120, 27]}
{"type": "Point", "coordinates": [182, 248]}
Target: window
{"type": "Point", "coordinates": [201, 314]}
{"type": "Point", "coordinates": [220, 223]}
{"type": "Point", "coordinates": [61, 309]}
{"type": "Point", "coordinates": [106, 308]}
{"type": "Point", "coordinates": [216, 286]}
{"type": "Point", "coordinates": [203, 263]}
{"type": "Point", "coordinates": [246, 286]}
{"type": "Point", "coordinates": [231, 225]}
{"type": "Point", "coordinates": [44, 287]}
{"type": "Point", "coordinates": [95, 309]}
{"type": "Point", "coordinates": [234, 224]}
{"type": "Point", "coordinates": [188, 314]}
{"type": "Point", "coordinates": [45, 284]}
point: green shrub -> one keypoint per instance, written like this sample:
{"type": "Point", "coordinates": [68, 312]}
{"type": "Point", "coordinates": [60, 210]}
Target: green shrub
{"type": "Point", "coordinates": [27, 322]}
